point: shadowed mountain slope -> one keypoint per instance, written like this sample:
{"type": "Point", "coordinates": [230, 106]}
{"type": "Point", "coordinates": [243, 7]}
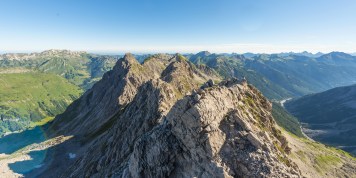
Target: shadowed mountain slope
{"type": "Point", "coordinates": [330, 116]}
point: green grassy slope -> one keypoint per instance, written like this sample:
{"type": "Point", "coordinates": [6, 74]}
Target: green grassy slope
{"type": "Point", "coordinates": [27, 98]}
{"type": "Point", "coordinates": [37, 86]}
{"type": "Point", "coordinates": [72, 68]}
{"type": "Point", "coordinates": [286, 120]}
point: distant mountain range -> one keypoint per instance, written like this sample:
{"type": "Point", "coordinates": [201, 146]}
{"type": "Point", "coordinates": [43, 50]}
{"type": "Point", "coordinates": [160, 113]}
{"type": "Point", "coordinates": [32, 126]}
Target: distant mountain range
{"type": "Point", "coordinates": [80, 68]}
{"type": "Point", "coordinates": [281, 77]}
{"type": "Point", "coordinates": [285, 54]}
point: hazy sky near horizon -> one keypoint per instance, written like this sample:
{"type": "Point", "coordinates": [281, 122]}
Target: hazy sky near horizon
{"type": "Point", "coordinates": [110, 26]}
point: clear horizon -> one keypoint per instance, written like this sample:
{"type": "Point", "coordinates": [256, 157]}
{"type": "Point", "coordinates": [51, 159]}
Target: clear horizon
{"type": "Point", "coordinates": [158, 26]}
{"type": "Point", "coordinates": [143, 53]}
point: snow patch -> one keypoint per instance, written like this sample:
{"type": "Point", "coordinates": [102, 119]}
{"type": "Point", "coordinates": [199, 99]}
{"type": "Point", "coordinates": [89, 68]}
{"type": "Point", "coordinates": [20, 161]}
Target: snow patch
{"type": "Point", "coordinates": [72, 155]}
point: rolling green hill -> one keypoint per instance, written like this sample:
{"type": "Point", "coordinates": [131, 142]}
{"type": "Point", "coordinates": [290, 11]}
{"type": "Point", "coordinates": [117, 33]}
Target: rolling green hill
{"type": "Point", "coordinates": [286, 120]}
{"type": "Point", "coordinates": [29, 97]}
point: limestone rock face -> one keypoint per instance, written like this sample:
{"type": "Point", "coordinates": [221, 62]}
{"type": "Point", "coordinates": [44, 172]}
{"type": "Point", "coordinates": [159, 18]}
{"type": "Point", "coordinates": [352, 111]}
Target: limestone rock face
{"type": "Point", "coordinates": [205, 139]}
{"type": "Point", "coordinates": [154, 121]}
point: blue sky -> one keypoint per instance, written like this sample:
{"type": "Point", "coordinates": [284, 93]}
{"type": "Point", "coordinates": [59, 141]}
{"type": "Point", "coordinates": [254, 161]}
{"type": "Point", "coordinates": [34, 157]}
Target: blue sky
{"type": "Point", "coordinates": [142, 26]}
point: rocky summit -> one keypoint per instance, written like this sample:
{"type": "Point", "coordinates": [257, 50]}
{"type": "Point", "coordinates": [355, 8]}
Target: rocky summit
{"type": "Point", "coordinates": [167, 117]}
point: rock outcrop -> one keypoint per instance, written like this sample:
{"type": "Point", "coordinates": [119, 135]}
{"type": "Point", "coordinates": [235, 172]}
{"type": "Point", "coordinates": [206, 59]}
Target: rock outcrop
{"type": "Point", "coordinates": [156, 120]}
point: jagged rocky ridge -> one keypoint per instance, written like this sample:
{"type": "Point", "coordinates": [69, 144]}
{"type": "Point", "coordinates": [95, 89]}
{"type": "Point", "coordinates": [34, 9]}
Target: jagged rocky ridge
{"type": "Point", "coordinates": [163, 119]}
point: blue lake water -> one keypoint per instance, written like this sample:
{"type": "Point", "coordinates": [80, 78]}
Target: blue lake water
{"type": "Point", "coordinates": [13, 142]}
{"type": "Point", "coordinates": [16, 141]}
{"type": "Point", "coordinates": [23, 167]}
